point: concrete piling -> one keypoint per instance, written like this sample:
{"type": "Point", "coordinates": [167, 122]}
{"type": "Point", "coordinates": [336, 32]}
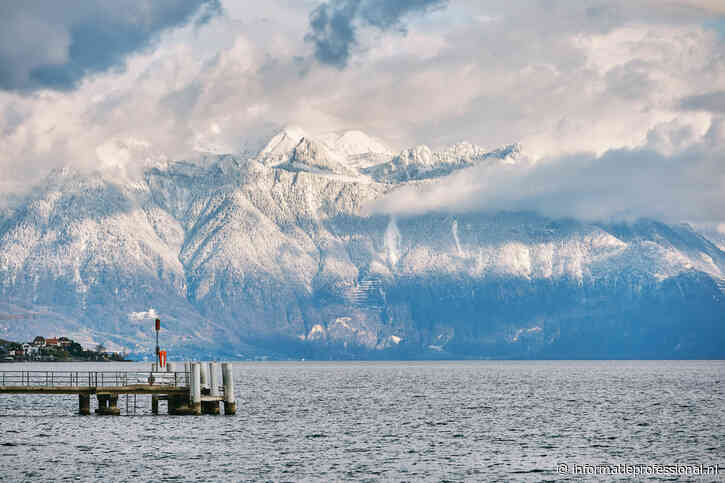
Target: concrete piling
{"type": "Point", "coordinates": [84, 404]}
{"type": "Point", "coordinates": [175, 404]}
{"type": "Point", "coordinates": [107, 405]}
{"type": "Point", "coordinates": [230, 402]}
{"type": "Point", "coordinates": [179, 405]}
{"type": "Point", "coordinates": [155, 404]}
{"type": "Point", "coordinates": [195, 388]}
{"type": "Point", "coordinates": [213, 379]}
{"type": "Point", "coordinates": [211, 407]}
{"type": "Point", "coordinates": [204, 376]}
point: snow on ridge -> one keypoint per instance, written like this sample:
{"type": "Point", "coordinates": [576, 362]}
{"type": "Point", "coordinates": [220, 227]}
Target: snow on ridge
{"type": "Point", "coordinates": [359, 151]}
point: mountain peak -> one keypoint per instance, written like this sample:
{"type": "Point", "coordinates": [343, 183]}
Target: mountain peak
{"type": "Point", "coordinates": [313, 156]}
{"type": "Point", "coordinates": [283, 142]}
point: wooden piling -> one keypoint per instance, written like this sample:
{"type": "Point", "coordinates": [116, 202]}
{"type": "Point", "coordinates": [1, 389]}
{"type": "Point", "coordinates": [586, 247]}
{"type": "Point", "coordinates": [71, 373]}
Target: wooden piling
{"type": "Point", "coordinates": [155, 404]}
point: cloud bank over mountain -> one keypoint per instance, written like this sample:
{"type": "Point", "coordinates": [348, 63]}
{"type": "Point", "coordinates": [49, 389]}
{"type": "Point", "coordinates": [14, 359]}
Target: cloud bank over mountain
{"type": "Point", "coordinates": [621, 91]}
{"type": "Point", "coordinates": [671, 178]}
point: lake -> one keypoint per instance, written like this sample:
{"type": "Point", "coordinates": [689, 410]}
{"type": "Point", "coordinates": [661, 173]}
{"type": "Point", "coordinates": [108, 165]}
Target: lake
{"type": "Point", "coordinates": [472, 420]}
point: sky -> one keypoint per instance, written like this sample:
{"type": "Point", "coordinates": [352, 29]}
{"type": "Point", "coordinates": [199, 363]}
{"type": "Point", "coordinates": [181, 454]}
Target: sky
{"type": "Point", "coordinates": [619, 105]}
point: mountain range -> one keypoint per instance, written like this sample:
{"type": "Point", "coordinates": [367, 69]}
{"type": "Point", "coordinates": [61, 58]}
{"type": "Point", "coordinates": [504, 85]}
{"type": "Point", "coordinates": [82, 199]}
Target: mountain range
{"type": "Point", "coordinates": [273, 254]}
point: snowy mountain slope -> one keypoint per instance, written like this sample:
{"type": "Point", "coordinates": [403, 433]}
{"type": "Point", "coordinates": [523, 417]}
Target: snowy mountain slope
{"type": "Point", "coordinates": [712, 232]}
{"type": "Point", "coordinates": [86, 249]}
{"type": "Point", "coordinates": [272, 255]}
{"type": "Point", "coordinates": [422, 163]}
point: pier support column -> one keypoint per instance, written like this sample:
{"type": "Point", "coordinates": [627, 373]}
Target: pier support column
{"type": "Point", "coordinates": [155, 404]}
{"type": "Point", "coordinates": [204, 377]}
{"type": "Point", "coordinates": [107, 405]}
{"type": "Point", "coordinates": [212, 407]}
{"type": "Point", "coordinates": [195, 388]}
{"type": "Point", "coordinates": [214, 379]}
{"type": "Point", "coordinates": [84, 404]}
{"type": "Point", "coordinates": [230, 402]}
{"type": "Point", "coordinates": [179, 405]}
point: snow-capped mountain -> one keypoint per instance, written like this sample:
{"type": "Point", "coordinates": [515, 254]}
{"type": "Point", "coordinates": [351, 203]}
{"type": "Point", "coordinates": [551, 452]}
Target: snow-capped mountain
{"type": "Point", "coordinates": [272, 254]}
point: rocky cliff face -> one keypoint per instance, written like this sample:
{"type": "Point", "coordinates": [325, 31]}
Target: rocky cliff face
{"type": "Point", "coordinates": [272, 255]}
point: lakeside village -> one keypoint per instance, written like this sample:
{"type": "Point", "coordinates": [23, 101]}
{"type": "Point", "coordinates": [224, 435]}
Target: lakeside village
{"type": "Point", "coordinates": [54, 349]}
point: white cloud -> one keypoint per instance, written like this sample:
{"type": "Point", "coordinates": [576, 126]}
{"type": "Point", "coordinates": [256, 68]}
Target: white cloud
{"type": "Point", "coordinates": [149, 314]}
{"type": "Point", "coordinates": [561, 78]}
{"type": "Point", "coordinates": [686, 184]}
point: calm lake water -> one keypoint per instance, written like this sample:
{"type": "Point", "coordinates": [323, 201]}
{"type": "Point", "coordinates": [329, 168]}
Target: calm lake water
{"type": "Point", "coordinates": [473, 421]}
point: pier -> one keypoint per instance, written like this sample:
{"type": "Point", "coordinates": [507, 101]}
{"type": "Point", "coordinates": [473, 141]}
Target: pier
{"type": "Point", "coordinates": [198, 389]}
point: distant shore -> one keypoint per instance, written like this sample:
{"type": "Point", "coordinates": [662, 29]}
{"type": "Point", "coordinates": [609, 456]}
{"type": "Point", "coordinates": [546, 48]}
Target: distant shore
{"type": "Point", "coordinates": [35, 361]}
{"type": "Point", "coordinates": [55, 349]}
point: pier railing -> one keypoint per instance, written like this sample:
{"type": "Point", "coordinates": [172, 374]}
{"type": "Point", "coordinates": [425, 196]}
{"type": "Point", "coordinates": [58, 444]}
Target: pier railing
{"type": "Point", "coordinates": [93, 378]}
{"type": "Point", "coordinates": [193, 392]}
